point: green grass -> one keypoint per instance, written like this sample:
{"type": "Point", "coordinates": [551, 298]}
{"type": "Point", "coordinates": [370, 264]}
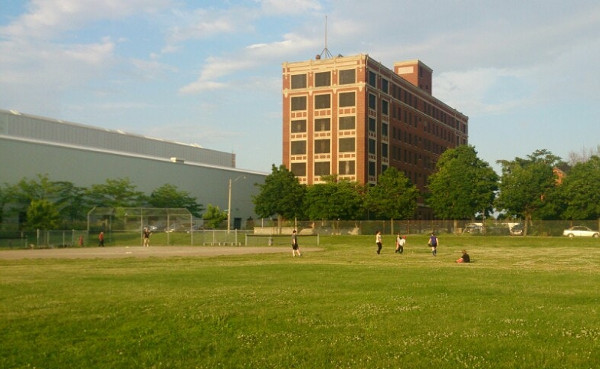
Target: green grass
{"type": "Point", "coordinates": [523, 303]}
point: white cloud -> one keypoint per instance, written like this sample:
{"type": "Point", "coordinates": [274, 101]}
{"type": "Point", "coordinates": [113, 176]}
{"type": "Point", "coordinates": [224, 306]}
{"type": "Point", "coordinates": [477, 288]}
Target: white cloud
{"type": "Point", "coordinates": [251, 57]}
{"type": "Point", "coordinates": [289, 6]}
{"type": "Point", "coordinates": [48, 18]}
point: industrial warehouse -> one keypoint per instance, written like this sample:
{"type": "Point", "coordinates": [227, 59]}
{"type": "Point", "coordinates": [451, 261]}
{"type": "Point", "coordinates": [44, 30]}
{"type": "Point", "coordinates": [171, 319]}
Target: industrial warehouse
{"type": "Point", "coordinates": [85, 155]}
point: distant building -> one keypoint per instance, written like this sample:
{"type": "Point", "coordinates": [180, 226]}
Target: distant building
{"type": "Point", "coordinates": [85, 155]}
{"type": "Point", "coordinates": [353, 117]}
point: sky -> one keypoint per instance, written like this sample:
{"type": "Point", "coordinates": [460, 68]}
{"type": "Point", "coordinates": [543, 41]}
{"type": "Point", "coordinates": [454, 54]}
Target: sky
{"type": "Point", "coordinates": [206, 72]}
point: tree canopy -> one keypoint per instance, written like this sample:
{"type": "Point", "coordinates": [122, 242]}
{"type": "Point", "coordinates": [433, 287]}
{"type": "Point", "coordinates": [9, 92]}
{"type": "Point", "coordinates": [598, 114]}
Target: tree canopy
{"type": "Point", "coordinates": [394, 197]}
{"type": "Point", "coordinates": [462, 185]}
{"type": "Point", "coordinates": [526, 183]}
{"type": "Point", "coordinates": [281, 194]}
{"type": "Point", "coordinates": [169, 196]}
{"type": "Point", "coordinates": [580, 190]}
{"type": "Point", "coordinates": [334, 199]}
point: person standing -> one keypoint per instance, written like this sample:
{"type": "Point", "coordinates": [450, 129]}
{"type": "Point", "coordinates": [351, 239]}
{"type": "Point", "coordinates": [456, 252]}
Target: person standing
{"type": "Point", "coordinates": [146, 237]}
{"type": "Point", "coordinates": [433, 243]}
{"type": "Point", "coordinates": [400, 241]}
{"type": "Point", "coordinates": [378, 242]}
{"type": "Point", "coordinates": [295, 247]}
{"type": "Point", "coordinates": [101, 239]}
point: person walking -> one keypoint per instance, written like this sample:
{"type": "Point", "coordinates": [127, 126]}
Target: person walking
{"type": "Point", "coordinates": [101, 239]}
{"type": "Point", "coordinates": [434, 242]}
{"type": "Point", "coordinates": [378, 242]}
{"type": "Point", "coordinates": [295, 247]}
{"type": "Point", "coordinates": [147, 234]}
{"type": "Point", "coordinates": [400, 241]}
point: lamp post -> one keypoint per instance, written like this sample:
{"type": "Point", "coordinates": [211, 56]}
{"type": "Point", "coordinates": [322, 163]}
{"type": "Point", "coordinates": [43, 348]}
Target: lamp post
{"type": "Point", "coordinates": [229, 202]}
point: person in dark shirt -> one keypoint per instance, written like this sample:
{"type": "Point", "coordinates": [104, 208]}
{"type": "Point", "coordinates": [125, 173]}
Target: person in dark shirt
{"type": "Point", "coordinates": [465, 258]}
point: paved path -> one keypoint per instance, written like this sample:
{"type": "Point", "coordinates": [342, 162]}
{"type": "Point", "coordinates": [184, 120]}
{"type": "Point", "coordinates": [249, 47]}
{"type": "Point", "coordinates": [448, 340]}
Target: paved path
{"type": "Point", "coordinates": [141, 252]}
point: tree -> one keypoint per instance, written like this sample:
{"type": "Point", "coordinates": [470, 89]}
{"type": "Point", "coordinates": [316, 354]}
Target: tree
{"type": "Point", "coordinates": [334, 200]}
{"type": "Point", "coordinates": [462, 185]}
{"type": "Point", "coordinates": [526, 184]}
{"type": "Point", "coordinates": [168, 196]}
{"type": "Point", "coordinates": [213, 216]}
{"type": "Point", "coordinates": [71, 201]}
{"type": "Point", "coordinates": [21, 195]}
{"type": "Point", "coordinates": [580, 190]}
{"type": "Point", "coordinates": [116, 193]}
{"type": "Point", "coordinates": [394, 197]}
{"type": "Point", "coordinates": [281, 195]}
{"type": "Point", "coordinates": [42, 214]}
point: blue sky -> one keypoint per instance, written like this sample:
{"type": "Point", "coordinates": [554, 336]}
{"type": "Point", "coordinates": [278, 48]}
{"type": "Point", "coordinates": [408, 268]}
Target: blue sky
{"type": "Point", "coordinates": [209, 72]}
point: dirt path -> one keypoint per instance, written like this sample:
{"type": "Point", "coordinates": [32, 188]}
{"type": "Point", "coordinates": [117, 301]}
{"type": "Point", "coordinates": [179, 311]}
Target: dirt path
{"type": "Point", "coordinates": [140, 252]}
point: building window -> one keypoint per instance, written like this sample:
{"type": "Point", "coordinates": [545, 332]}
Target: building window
{"type": "Point", "coordinates": [384, 129]}
{"type": "Point", "coordinates": [385, 106]}
{"type": "Point", "coordinates": [372, 101]}
{"type": "Point", "coordinates": [298, 126]}
{"type": "Point", "coordinates": [299, 81]}
{"type": "Point", "coordinates": [346, 167]}
{"type": "Point", "coordinates": [384, 150]}
{"type": "Point", "coordinates": [372, 168]}
{"type": "Point", "coordinates": [322, 79]}
{"type": "Point", "coordinates": [322, 168]}
{"type": "Point", "coordinates": [372, 78]}
{"type": "Point", "coordinates": [347, 99]}
{"type": "Point", "coordinates": [299, 169]}
{"type": "Point", "coordinates": [384, 85]}
{"type": "Point", "coordinates": [322, 101]}
{"type": "Point", "coordinates": [322, 147]}
{"type": "Point", "coordinates": [298, 103]}
{"type": "Point", "coordinates": [347, 122]}
{"type": "Point", "coordinates": [372, 125]}
{"type": "Point", "coordinates": [372, 149]}
{"type": "Point", "coordinates": [347, 145]}
{"type": "Point", "coordinates": [323, 124]}
{"type": "Point", "coordinates": [298, 147]}
{"type": "Point", "coordinates": [347, 76]}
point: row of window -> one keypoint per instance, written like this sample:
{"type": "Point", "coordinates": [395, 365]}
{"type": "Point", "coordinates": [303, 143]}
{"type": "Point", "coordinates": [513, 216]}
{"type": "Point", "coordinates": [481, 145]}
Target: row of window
{"type": "Point", "coordinates": [323, 79]}
{"type": "Point", "coordinates": [323, 146]}
{"type": "Point", "coordinates": [323, 124]}
{"type": "Point", "coordinates": [323, 168]}
{"type": "Point", "coordinates": [323, 101]}
{"type": "Point", "coordinates": [345, 167]}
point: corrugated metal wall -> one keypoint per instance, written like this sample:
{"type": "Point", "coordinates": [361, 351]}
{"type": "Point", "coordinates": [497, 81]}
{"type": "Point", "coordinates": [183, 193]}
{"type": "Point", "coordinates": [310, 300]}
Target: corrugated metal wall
{"type": "Point", "coordinates": [43, 129]}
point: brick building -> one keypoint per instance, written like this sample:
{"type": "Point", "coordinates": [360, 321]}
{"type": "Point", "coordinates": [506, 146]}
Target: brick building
{"type": "Point", "coordinates": [354, 117]}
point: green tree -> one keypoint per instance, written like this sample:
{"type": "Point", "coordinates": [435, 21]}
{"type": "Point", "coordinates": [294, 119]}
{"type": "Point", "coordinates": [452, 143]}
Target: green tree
{"type": "Point", "coordinates": [462, 185]}
{"type": "Point", "coordinates": [4, 199]}
{"type": "Point", "coordinates": [526, 184]}
{"type": "Point", "coordinates": [281, 194]}
{"type": "Point", "coordinates": [71, 202]}
{"type": "Point", "coordinates": [21, 195]}
{"type": "Point", "coordinates": [42, 214]}
{"type": "Point", "coordinates": [213, 216]}
{"type": "Point", "coordinates": [116, 193]}
{"type": "Point", "coordinates": [334, 200]}
{"type": "Point", "coordinates": [580, 190]}
{"type": "Point", "coordinates": [168, 196]}
{"type": "Point", "coordinates": [394, 197]}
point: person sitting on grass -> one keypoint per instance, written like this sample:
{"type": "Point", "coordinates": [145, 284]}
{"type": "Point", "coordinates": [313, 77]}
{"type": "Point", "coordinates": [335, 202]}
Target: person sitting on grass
{"type": "Point", "coordinates": [465, 258]}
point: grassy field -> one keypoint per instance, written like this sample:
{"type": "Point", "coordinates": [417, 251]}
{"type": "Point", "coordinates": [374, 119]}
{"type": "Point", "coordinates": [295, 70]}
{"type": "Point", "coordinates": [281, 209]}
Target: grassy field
{"type": "Point", "coordinates": [523, 303]}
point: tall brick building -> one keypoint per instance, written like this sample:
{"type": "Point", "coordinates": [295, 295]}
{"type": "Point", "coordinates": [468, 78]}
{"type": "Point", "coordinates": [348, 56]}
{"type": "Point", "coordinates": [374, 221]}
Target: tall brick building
{"type": "Point", "coordinates": [354, 117]}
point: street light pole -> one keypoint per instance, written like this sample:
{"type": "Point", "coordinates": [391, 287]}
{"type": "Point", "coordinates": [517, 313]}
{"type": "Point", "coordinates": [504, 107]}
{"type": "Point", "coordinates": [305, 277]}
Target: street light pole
{"type": "Point", "coordinates": [229, 208]}
{"type": "Point", "coordinates": [229, 202]}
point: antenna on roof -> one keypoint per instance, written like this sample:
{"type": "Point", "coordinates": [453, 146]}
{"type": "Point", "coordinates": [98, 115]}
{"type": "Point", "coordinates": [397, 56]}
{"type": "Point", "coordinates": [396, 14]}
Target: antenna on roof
{"type": "Point", "coordinates": [325, 51]}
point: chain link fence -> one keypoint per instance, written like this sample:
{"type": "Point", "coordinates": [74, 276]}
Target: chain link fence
{"type": "Point", "coordinates": [266, 228]}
